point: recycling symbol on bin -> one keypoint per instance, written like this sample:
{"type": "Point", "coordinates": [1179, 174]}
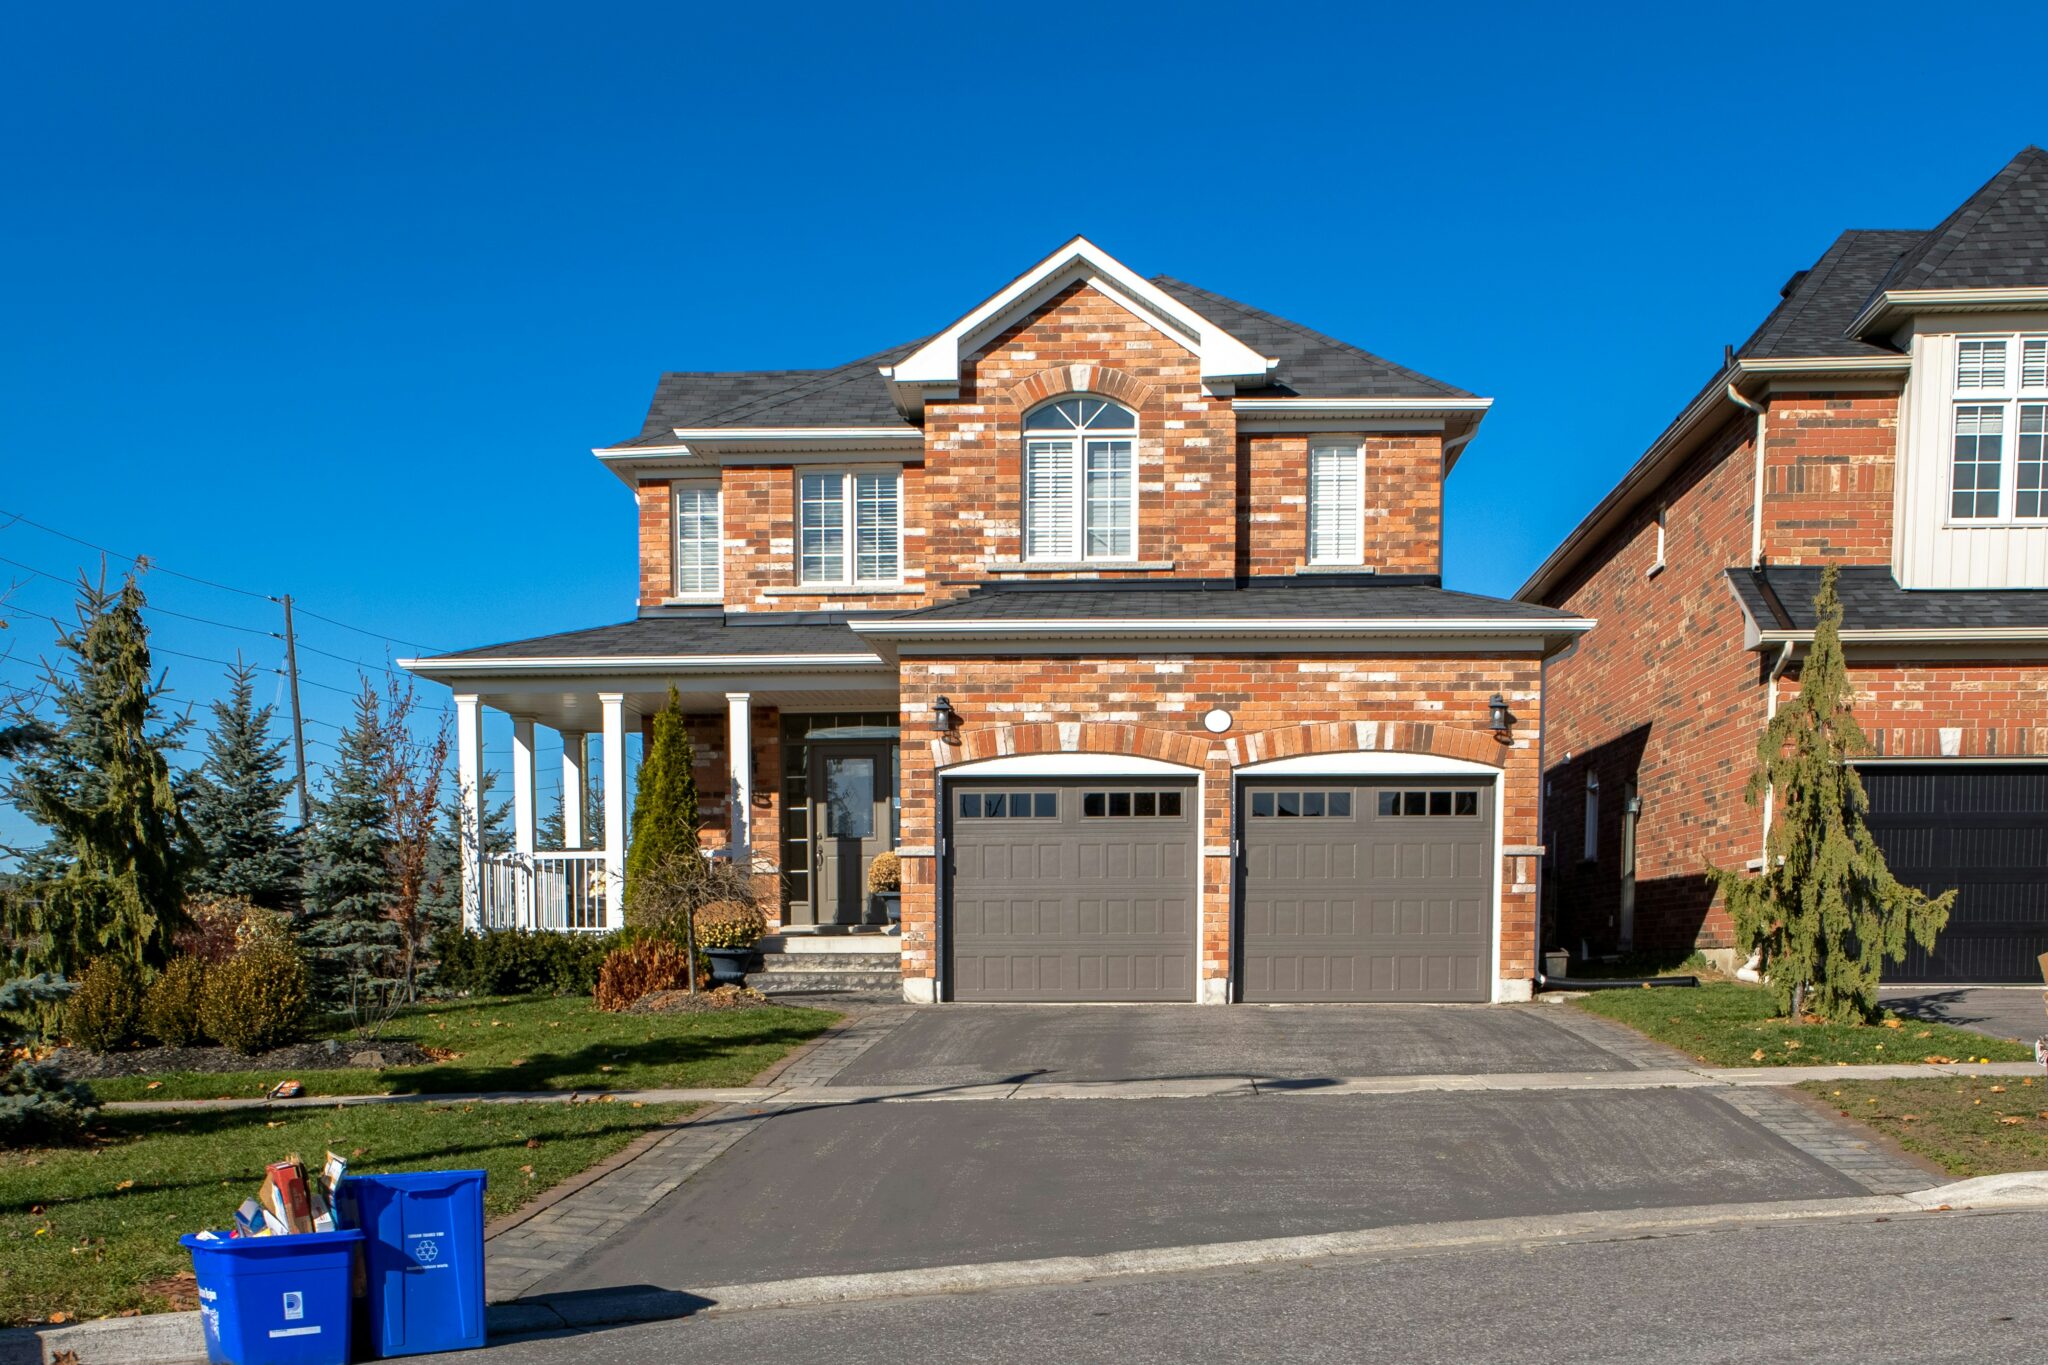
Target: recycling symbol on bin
{"type": "Point", "coordinates": [426, 1252]}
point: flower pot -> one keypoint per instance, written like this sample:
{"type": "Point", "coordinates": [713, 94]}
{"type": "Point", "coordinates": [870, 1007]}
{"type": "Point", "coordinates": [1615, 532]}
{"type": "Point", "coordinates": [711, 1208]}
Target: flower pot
{"type": "Point", "coordinates": [729, 965]}
{"type": "Point", "coordinates": [884, 907]}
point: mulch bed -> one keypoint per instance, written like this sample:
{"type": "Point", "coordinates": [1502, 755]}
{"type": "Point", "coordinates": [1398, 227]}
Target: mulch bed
{"type": "Point", "coordinates": [703, 1002]}
{"type": "Point", "coordinates": [326, 1055]}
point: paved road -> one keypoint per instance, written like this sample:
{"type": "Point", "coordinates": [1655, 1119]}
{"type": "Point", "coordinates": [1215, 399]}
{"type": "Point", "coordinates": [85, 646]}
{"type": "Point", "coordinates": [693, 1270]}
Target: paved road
{"type": "Point", "coordinates": [1936, 1289]}
{"type": "Point", "coordinates": [2002, 1012]}
{"type": "Point", "coordinates": [892, 1186]}
{"type": "Point", "coordinates": [978, 1044]}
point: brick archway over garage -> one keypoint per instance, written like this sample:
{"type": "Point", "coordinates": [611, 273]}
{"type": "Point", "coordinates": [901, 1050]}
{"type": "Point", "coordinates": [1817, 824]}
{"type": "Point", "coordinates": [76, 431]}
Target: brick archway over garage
{"type": "Point", "coordinates": [1082, 378]}
{"type": "Point", "coordinates": [1347, 737]}
{"type": "Point", "coordinates": [1070, 737]}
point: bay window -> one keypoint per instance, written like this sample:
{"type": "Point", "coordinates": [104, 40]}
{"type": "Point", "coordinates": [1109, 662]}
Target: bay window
{"type": "Point", "coordinates": [1998, 453]}
{"type": "Point", "coordinates": [1080, 481]}
{"type": "Point", "coordinates": [850, 527]}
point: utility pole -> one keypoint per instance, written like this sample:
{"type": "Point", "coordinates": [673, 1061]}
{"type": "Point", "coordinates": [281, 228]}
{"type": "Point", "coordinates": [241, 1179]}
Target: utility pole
{"type": "Point", "coordinates": [291, 666]}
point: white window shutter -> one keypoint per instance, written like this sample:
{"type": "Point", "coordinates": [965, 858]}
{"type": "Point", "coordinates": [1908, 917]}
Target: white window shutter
{"type": "Point", "coordinates": [1049, 501]}
{"type": "Point", "coordinates": [877, 517]}
{"type": "Point", "coordinates": [1336, 504]}
{"type": "Point", "coordinates": [697, 540]}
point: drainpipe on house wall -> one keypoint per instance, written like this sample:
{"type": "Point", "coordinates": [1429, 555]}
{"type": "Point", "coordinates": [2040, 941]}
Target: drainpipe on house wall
{"type": "Point", "coordinates": [1756, 510]}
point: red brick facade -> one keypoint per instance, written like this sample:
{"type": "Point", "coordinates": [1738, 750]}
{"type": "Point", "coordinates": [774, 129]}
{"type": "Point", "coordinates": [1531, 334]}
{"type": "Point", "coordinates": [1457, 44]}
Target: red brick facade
{"type": "Point", "coordinates": [1828, 465]}
{"type": "Point", "coordinates": [1403, 503]}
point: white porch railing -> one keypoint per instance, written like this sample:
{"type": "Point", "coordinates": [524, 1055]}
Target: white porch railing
{"type": "Point", "coordinates": [559, 891]}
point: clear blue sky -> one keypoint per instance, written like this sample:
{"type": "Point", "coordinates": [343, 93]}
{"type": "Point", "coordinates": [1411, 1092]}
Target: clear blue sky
{"type": "Point", "coordinates": [335, 300]}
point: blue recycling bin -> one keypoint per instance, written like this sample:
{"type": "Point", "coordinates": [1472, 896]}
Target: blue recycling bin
{"type": "Point", "coordinates": [425, 1256]}
{"type": "Point", "coordinates": [275, 1300]}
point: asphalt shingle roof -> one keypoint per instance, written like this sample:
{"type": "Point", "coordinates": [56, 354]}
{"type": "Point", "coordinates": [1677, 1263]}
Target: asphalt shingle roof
{"type": "Point", "coordinates": [1230, 600]}
{"type": "Point", "coordinates": [1873, 600]}
{"type": "Point", "coordinates": [1813, 318]}
{"type": "Point", "coordinates": [666, 637]}
{"type": "Point", "coordinates": [1998, 239]}
{"type": "Point", "coordinates": [856, 395]}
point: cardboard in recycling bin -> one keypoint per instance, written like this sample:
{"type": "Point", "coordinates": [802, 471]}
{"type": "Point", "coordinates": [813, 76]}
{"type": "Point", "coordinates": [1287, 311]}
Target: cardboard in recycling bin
{"type": "Point", "coordinates": [425, 1259]}
{"type": "Point", "coordinates": [279, 1300]}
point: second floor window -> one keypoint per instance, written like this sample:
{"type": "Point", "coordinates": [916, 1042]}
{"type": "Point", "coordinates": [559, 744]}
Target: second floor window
{"type": "Point", "coordinates": [1080, 481]}
{"type": "Point", "coordinates": [697, 539]}
{"type": "Point", "coordinates": [850, 527]}
{"type": "Point", "coordinates": [1336, 503]}
{"type": "Point", "coordinates": [1998, 465]}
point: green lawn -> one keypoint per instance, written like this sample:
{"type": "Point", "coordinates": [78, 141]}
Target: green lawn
{"type": "Point", "coordinates": [92, 1230]}
{"type": "Point", "coordinates": [528, 1043]}
{"type": "Point", "coordinates": [1730, 1024]}
{"type": "Point", "coordinates": [1967, 1125]}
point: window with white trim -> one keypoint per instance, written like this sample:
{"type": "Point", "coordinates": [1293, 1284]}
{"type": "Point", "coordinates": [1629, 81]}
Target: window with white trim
{"type": "Point", "coordinates": [850, 527]}
{"type": "Point", "coordinates": [1998, 452]}
{"type": "Point", "coordinates": [698, 548]}
{"type": "Point", "coordinates": [1336, 502]}
{"type": "Point", "coordinates": [1080, 481]}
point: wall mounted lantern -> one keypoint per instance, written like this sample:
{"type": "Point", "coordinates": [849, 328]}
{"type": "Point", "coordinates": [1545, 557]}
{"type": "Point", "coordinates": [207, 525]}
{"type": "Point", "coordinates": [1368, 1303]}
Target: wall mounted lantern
{"type": "Point", "coordinates": [1503, 720]}
{"type": "Point", "coordinates": [948, 718]}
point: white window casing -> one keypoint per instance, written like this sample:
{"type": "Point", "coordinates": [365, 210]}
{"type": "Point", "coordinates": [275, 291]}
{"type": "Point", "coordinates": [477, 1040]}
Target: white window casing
{"type": "Point", "coordinates": [699, 540]}
{"type": "Point", "coordinates": [849, 527]}
{"type": "Point", "coordinates": [1998, 454]}
{"type": "Point", "coordinates": [1080, 481]}
{"type": "Point", "coordinates": [1336, 501]}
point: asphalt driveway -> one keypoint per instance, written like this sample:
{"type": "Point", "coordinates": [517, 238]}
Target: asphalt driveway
{"type": "Point", "coordinates": [2014, 1012]}
{"type": "Point", "coordinates": [986, 1044]}
{"type": "Point", "coordinates": [867, 1187]}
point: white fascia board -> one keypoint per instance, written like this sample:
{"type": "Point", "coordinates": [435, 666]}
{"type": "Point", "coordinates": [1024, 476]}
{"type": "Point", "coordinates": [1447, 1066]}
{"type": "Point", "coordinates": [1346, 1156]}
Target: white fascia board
{"type": "Point", "coordinates": [1880, 310]}
{"type": "Point", "coordinates": [681, 663]}
{"type": "Point", "coordinates": [1068, 765]}
{"type": "Point", "coordinates": [1917, 635]}
{"type": "Point", "coordinates": [1309, 409]}
{"type": "Point", "coordinates": [1368, 763]}
{"type": "Point", "coordinates": [936, 364]}
{"type": "Point", "coordinates": [1281, 627]}
{"type": "Point", "coordinates": [1824, 366]}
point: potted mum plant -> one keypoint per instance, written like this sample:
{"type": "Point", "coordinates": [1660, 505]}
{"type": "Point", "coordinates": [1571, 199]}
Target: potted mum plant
{"type": "Point", "coordinates": [727, 931]}
{"type": "Point", "coordinates": [885, 891]}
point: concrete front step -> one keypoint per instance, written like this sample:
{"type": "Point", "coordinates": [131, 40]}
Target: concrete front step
{"type": "Point", "coordinates": [832, 945]}
{"type": "Point", "coordinates": [788, 982]}
{"type": "Point", "coordinates": [834, 962]}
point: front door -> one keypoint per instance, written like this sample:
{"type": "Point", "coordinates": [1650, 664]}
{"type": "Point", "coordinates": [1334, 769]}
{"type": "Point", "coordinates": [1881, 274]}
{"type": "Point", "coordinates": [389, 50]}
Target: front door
{"type": "Point", "coordinates": [850, 825]}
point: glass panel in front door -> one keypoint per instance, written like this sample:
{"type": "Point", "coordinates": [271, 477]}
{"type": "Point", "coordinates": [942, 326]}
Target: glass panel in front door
{"type": "Point", "coordinates": [849, 797]}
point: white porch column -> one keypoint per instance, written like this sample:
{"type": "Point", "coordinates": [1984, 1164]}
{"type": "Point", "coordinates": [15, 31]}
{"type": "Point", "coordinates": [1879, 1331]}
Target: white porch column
{"type": "Point", "coordinates": [613, 705]}
{"type": "Point", "coordinates": [523, 820]}
{"type": "Point", "coordinates": [739, 746]}
{"type": "Point", "coordinates": [469, 735]}
{"type": "Point", "coordinates": [575, 753]}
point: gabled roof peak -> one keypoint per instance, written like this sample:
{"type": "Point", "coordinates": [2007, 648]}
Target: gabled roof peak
{"type": "Point", "coordinates": [1997, 238]}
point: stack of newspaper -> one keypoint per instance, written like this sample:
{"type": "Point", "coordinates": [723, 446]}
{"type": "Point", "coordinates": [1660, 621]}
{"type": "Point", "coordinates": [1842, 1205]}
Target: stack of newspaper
{"type": "Point", "coordinates": [292, 1201]}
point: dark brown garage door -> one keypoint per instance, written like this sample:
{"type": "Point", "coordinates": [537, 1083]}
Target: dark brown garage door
{"type": "Point", "coordinates": [1366, 890]}
{"type": "Point", "coordinates": [1072, 890]}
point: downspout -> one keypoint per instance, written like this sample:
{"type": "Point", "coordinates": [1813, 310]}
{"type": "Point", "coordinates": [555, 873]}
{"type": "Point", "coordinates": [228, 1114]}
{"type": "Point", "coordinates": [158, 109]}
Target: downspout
{"type": "Point", "coordinates": [1756, 511]}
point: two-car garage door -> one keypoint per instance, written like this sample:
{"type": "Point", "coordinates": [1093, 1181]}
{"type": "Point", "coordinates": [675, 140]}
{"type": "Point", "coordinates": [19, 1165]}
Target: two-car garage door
{"type": "Point", "coordinates": [1350, 889]}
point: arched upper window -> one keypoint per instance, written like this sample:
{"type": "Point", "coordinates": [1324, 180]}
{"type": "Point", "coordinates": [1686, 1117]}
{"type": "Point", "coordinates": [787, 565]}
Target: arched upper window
{"type": "Point", "coordinates": [1080, 480]}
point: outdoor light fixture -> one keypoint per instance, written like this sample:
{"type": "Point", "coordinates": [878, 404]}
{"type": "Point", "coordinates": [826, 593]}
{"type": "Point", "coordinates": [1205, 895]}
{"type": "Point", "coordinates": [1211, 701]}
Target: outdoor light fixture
{"type": "Point", "coordinates": [948, 717]}
{"type": "Point", "coordinates": [1502, 718]}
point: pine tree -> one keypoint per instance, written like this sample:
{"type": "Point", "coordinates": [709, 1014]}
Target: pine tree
{"type": "Point", "coordinates": [348, 928]}
{"type": "Point", "coordinates": [665, 800]}
{"type": "Point", "coordinates": [1825, 910]}
{"type": "Point", "coordinates": [237, 804]}
{"type": "Point", "coordinates": [112, 879]}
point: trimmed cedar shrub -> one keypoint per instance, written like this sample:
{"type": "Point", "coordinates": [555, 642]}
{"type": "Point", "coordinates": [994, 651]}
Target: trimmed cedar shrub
{"type": "Point", "coordinates": [171, 1004]}
{"type": "Point", "coordinates": [104, 1013]}
{"type": "Point", "coordinates": [516, 962]}
{"type": "Point", "coordinates": [729, 924]}
{"type": "Point", "coordinates": [641, 968]}
{"type": "Point", "coordinates": [259, 999]}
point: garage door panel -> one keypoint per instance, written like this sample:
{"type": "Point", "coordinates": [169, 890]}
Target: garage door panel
{"type": "Point", "coordinates": [1982, 830]}
{"type": "Point", "coordinates": [1112, 897]}
{"type": "Point", "coordinates": [1371, 906]}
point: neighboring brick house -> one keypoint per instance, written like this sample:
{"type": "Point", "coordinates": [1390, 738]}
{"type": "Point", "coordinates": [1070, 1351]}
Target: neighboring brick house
{"type": "Point", "coordinates": [1889, 417]}
{"type": "Point", "coordinates": [1115, 609]}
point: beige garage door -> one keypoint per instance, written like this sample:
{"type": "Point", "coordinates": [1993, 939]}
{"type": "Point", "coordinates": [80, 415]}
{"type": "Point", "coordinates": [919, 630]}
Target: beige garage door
{"type": "Point", "coordinates": [1366, 890]}
{"type": "Point", "coordinates": [1072, 889]}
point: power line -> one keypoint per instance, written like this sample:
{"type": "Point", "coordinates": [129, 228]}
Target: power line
{"type": "Point", "coordinates": [14, 517]}
{"type": "Point", "coordinates": [374, 635]}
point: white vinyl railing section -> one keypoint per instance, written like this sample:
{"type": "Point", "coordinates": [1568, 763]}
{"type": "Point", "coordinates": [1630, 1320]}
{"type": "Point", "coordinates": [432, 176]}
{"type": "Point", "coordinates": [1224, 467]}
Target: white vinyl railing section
{"type": "Point", "coordinates": [559, 891]}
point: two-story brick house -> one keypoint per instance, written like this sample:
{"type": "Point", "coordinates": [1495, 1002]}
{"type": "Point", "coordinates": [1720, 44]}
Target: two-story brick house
{"type": "Point", "coordinates": [1114, 607]}
{"type": "Point", "coordinates": [1888, 417]}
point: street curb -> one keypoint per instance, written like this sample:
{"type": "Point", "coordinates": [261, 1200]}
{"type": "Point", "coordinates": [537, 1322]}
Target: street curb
{"type": "Point", "coordinates": [174, 1338]}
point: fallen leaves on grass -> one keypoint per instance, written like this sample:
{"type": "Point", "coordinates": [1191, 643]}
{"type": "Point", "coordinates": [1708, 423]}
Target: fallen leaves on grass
{"type": "Point", "coordinates": [1895, 1022]}
{"type": "Point", "coordinates": [2011, 1119]}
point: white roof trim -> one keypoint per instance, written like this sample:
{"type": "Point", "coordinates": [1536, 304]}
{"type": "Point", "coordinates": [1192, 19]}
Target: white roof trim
{"type": "Point", "coordinates": [1369, 763]}
{"type": "Point", "coordinates": [1912, 635]}
{"type": "Point", "coordinates": [1069, 765]}
{"type": "Point", "coordinates": [1826, 365]}
{"type": "Point", "coordinates": [640, 663]}
{"type": "Point", "coordinates": [1879, 309]}
{"type": "Point", "coordinates": [935, 366]}
{"type": "Point", "coordinates": [1356, 407]}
